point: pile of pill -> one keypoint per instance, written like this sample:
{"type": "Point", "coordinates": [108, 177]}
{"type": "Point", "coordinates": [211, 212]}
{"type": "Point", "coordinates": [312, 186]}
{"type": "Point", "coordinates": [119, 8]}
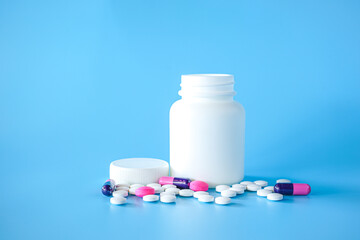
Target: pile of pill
{"type": "Point", "coordinates": [169, 188]}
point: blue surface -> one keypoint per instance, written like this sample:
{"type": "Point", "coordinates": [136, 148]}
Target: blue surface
{"type": "Point", "coordinates": [83, 83]}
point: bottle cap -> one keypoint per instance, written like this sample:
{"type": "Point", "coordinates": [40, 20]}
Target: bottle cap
{"type": "Point", "coordinates": [138, 170]}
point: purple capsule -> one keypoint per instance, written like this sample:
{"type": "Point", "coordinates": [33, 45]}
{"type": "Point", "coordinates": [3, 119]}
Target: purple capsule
{"type": "Point", "coordinates": [108, 188]}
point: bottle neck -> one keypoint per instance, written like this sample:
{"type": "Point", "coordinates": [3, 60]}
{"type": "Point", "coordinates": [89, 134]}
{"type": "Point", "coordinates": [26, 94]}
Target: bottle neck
{"type": "Point", "coordinates": [215, 87]}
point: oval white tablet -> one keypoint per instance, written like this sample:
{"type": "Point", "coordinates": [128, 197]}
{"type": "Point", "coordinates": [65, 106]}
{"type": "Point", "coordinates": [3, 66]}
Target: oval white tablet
{"type": "Point", "coordinates": [136, 185]}
{"type": "Point", "coordinates": [206, 198]}
{"type": "Point", "coordinates": [253, 187]}
{"type": "Point", "coordinates": [167, 198]}
{"type": "Point", "coordinates": [220, 188]}
{"type": "Point", "coordinates": [117, 200]}
{"type": "Point", "coordinates": [173, 190]}
{"type": "Point", "coordinates": [228, 193]}
{"type": "Point", "coordinates": [197, 194]}
{"type": "Point", "coordinates": [237, 190]}
{"type": "Point", "coordinates": [283, 181]}
{"type": "Point", "coordinates": [166, 186]}
{"type": "Point", "coordinates": [151, 198]}
{"type": "Point", "coordinates": [222, 200]}
{"type": "Point", "coordinates": [153, 185]}
{"type": "Point", "coordinates": [120, 193]}
{"type": "Point", "coordinates": [158, 189]}
{"type": "Point", "coordinates": [122, 188]}
{"type": "Point", "coordinates": [261, 183]}
{"type": "Point", "coordinates": [263, 192]}
{"type": "Point", "coordinates": [186, 193]}
{"type": "Point", "coordinates": [245, 183]}
{"type": "Point", "coordinates": [271, 188]}
{"type": "Point", "coordinates": [275, 196]}
{"type": "Point", "coordinates": [167, 193]}
{"type": "Point", "coordinates": [239, 186]}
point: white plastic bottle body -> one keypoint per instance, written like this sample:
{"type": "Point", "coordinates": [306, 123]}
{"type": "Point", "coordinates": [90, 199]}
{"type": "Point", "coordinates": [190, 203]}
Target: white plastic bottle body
{"type": "Point", "coordinates": [207, 136]}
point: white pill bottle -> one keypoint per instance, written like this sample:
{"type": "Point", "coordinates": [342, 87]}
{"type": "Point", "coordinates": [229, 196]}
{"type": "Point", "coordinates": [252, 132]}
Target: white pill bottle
{"type": "Point", "coordinates": [207, 130]}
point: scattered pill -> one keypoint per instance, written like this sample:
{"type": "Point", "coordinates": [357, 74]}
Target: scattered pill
{"type": "Point", "coordinates": [120, 193]}
{"type": "Point", "coordinates": [253, 187]}
{"type": "Point", "coordinates": [151, 198]}
{"type": "Point", "coordinates": [132, 191]}
{"type": "Point", "coordinates": [108, 188]}
{"type": "Point", "coordinates": [186, 193]}
{"type": "Point", "coordinates": [271, 188]}
{"type": "Point", "coordinates": [136, 185]}
{"type": "Point", "coordinates": [122, 188]}
{"type": "Point", "coordinates": [292, 188]}
{"type": "Point", "coordinates": [246, 183]}
{"type": "Point", "coordinates": [237, 190]}
{"type": "Point", "coordinates": [159, 189]}
{"type": "Point", "coordinates": [206, 198]}
{"type": "Point", "coordinates": [122, 185]}
{"type": "Point", "coordinates": [173, 190]}
{"type": "Point", "coordinates": [179, 182]}
{"type": "Point", "coordinates": [167, 193]}
{"type": "Point", "coordinates": [261, 183]}
{"type": "Point", "coordinates": [275, 196]}
{"type": "Point", "coordinates": [153, 185]}
{"type": "Point", "coordinates": [199, 186]}
{"type": "Point", "coordinates": [283, 181]}
{"type": "Point", "coordinates": [239, 186]}
{"type": "Point", "coordinates": [228, 193]}
{"type": "Point", "coordinates": [166, 186]}
{"type": "Point", "coordinates": [197, 194]}
{"type": "Point", "coordinates": [117, 200]}
{"type": "Point", "coordinates": [222, 200]}
{"type": "Point", "coordinates": [263, 192]}
{"type": "Point", "coordinates": [143, 191]}
{"type": "Point", "coordinates": [167, 198]}
{"type": "Point", "coordinates": [220, 188]}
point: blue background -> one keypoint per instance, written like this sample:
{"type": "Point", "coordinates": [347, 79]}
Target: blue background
{"type": "Point", "coordinates": [83, 83]}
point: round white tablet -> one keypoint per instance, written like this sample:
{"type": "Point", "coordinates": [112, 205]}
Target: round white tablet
{"type": "Point", "coordinates": [206, 198]}
{"type": "Point", "coordinates": [166, 186]}
{"type": "Point", "coordinates": [271, 188]}
{"type": "Point", "coordinates": [246, 183]}
{"type": "Point", "coordinates": [237, 190]}
{"type": "Point", "coordinates": [239, 186]}
{"type": "Point", "coordinates": [122, 188]}
{"type": "Point", "coordinates": [228, 193]}
{"type": "Point", "coordinates": [197, 194]}
{"type": "Point", "coordinates": [117, 200]}
{"type": "Point", "coordinates": [151, 198]}
{"type": "Point", "coordinates": [222, 200]}
{"type": "Point", "coordinates": [275, 196]}
{"type": "Point", "coordinates": [261, 183]}
{"type": "Point", "coordinates": [253, 187]}
{"type": "Point", "coordinates": [173, 190]}
{"type": "Point", "coordinates": [283, 181]}
{"type": "Point", "coordinates": [136, 185]}
{"type": "Point", "coordinates": [132, 191]}
{"type": "Point", "coordinates": [153, 185]}
{"type": "Point", "coordinates": [186, 193]}
{"type": "Point", "coordinates": [158, 189]}
{"type": "Point", "coordinates": [167, 193]}
{"type": "Point", "coordinates": [120, 193]}
{"type": "Point", "coordinates": [263, 192]}
{"type": "Point", "coordinates": [220, 188]}
{"type": "Point", "coordinates": [167, 198]}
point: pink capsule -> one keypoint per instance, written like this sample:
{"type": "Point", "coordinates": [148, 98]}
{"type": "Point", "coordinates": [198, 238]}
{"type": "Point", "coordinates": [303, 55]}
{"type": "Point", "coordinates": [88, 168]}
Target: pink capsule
{"type": "Point", "coordinates": [199, 186]}
{"type": "Point", "coordinates": [143, 191]}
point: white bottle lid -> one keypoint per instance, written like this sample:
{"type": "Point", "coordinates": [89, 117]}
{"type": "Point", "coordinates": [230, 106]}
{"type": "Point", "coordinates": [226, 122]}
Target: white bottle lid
{"type": "Point", "coordinates": [138, 170]}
